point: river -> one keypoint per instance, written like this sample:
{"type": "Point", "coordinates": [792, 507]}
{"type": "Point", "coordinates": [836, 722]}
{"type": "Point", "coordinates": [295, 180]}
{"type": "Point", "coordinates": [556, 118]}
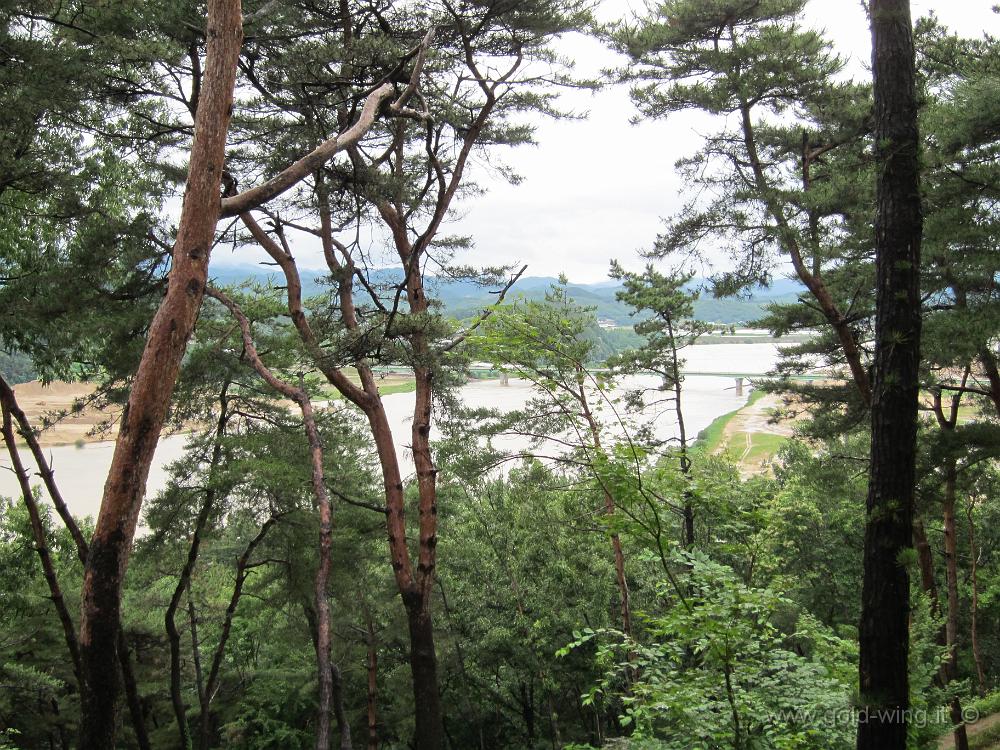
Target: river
{"type": "Point", "coordinates": [81, 471]}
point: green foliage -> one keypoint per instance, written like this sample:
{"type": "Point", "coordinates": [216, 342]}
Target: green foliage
{"type": "Point", "coordinates": [669, 303]}
{"type": "Point", "coordinates": [748, 639]}
{"type": "Point", "coordinates": [39, 696]}
{"type": "Point", "coordinates": [725, 665]}
{"type": "Point", "coordinates": [509, 547]}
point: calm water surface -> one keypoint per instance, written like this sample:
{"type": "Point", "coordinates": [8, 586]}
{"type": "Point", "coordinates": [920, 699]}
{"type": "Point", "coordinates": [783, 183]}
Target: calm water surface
{"type": "Point", "coordinates": [81, 472]}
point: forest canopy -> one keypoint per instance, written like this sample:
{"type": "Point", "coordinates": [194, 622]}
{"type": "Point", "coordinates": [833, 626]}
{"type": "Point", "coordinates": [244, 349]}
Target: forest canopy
{"type": "Point", "coordinates": [420, 498]}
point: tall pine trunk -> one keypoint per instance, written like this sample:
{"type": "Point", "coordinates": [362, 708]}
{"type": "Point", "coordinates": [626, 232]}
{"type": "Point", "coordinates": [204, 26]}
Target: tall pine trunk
{"type": "Point", "coordinates": [153, 385]}
{"type": "Point", "coordinates": [429, 728]}
{"type": "Point", "coordinates": [884, 628]}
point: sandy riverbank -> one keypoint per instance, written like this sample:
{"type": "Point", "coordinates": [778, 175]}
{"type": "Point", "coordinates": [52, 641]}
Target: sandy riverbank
{"type": "Point", "coordinates": [65, 406]}
{"type": "Point", "coordinates": [750, 437]}
{"type": "Point", "coordinates": [72, 420]}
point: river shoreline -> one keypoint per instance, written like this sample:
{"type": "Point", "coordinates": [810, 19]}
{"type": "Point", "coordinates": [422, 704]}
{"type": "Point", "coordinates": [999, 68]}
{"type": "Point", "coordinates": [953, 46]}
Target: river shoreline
{"type": "Point", "coordinates": [81, 465]}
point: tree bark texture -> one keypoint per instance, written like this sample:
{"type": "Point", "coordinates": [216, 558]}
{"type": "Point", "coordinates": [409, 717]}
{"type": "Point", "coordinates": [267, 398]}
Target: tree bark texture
{"type": "Point", "coordinates": [884, 628]}
{"type": "Point", "coordinates": [154, 382]}
{"type": "Point", "coordinates": [926, 561]}
{"type": "Point", "coordinates": [12, 410]}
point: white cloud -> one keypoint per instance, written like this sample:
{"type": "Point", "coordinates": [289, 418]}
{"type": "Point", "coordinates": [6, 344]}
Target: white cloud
{"type": "Point", "coordinates": [598, 188]}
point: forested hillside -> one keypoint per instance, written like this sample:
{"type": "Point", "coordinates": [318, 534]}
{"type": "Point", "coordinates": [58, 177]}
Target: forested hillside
{"type": "Point", "coordinates": [424, 499]}
{"type": "Point", "coordinates": [464, 299]}
{"type": "Point", "coordinates": [16, 368]}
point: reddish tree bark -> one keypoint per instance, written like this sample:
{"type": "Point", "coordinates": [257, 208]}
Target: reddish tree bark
{"type": "Point", "coordinates": [10, 406]}
{"type": "Point", "coordinates": [624, 596]}
{"type": "Point", "coordinates": [884, 629]}
{"type": "Point", "coordinates": [153, 385]}
{"type": "Point", "coordinates": [414, 578]}
{"type": "Point", "coordinates": [949, 636]}
{"type": "Point", "coordinates": [322, 603]}
{"type": "Point", "coordinates": [927, 581]}
{"type": "Point", "coordinates": [812, 279]}
{"type": "Point", "coordinates": [169, 333]}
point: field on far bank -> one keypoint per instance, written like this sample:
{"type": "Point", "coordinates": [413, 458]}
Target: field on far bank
{"type": "Point", "coordinates": [64, 404]}
{"type": "Point", "coordinates": [72, 420]}
{"type": "Point", "coordinates": [748, 435]}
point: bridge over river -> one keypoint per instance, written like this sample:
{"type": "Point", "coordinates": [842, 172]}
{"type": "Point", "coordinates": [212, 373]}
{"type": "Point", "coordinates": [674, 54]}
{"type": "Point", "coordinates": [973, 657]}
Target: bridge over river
{"type": "Point", "coordinates": [484, 371]}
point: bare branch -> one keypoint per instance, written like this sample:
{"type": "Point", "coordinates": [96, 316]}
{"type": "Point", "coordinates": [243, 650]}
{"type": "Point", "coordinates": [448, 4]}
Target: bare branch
{"type": "Point", "coordinates": [292, 175]}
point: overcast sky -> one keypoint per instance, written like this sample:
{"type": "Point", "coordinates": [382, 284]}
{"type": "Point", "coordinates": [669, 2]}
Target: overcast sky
{"type": "Point", "coordinates": [597, 189]}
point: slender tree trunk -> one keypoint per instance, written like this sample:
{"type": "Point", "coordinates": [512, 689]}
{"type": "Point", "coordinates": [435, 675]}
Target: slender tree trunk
{"type": "Point", "coordinates": [132, 697]}
{"type": "Point", "coordinates": [813, 282]}
{"type": "Point", "coordinates": [199, 679]}
{"type": "Point", "coordinates": [41, 543]}
{"type": "Point", "coordinates": [989, 362]}
{"type": "Point", "coordinates": [623, 590]}
{"type": "Point", "coordinates": [951, 560]}
{"type": "Point", "coordinates": [212, 683]}
{"type": "Point", "coordinates": [884, 629]}
{"type": "Point", "coordinates": [64, 741]}
{"type": "Point", "coordinates": [324, 666]}
{"type": "Point", "coordinates": [688, 520]}
{"type": "Point", "coordinates": [322, 496]}
{"type": "Point", "coordinates": [343, 725]}
{"type": "Point", "coordinates": [9, 401]}
{"type": "Point", "coordinates": [417, 601]}
{"type": "Point", "coordinates": [372, 644]}
{"type": "Point", "coordinates": [413, 584]}
{"type": "Point", "coordinates": [184, 581]}
{"type": "Point", "coordinates": [685, 460]}
{"type": "Point", "coordinates": [974, 626]}
{"type": "Point", "coordinates": [926, 560]}
{"type": "Point", "coordinates": [10, 406]}
{"type": "Point", "coordinates": [55, 592]}
{"type": "Point", "coordinates": [624, 596]}
{"type": "Point", "coordinates": [950, 667]}
{"type": "Point", "coordinates": [154, 382]}
{"type": "Point", "coordinates": [733, 709]}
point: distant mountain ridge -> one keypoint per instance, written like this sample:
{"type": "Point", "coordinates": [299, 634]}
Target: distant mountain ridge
{"type": "Point", "coordinates": [464, 298]}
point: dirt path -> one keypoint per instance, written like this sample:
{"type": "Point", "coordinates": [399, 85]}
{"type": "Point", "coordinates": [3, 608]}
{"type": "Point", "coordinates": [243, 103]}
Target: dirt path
{"type": "Point", "coordinates": [750, 422]}
{"type": "Point", "coordinates": [948, 741]}
{"type": "Point", "coordinates": [756, 417]}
